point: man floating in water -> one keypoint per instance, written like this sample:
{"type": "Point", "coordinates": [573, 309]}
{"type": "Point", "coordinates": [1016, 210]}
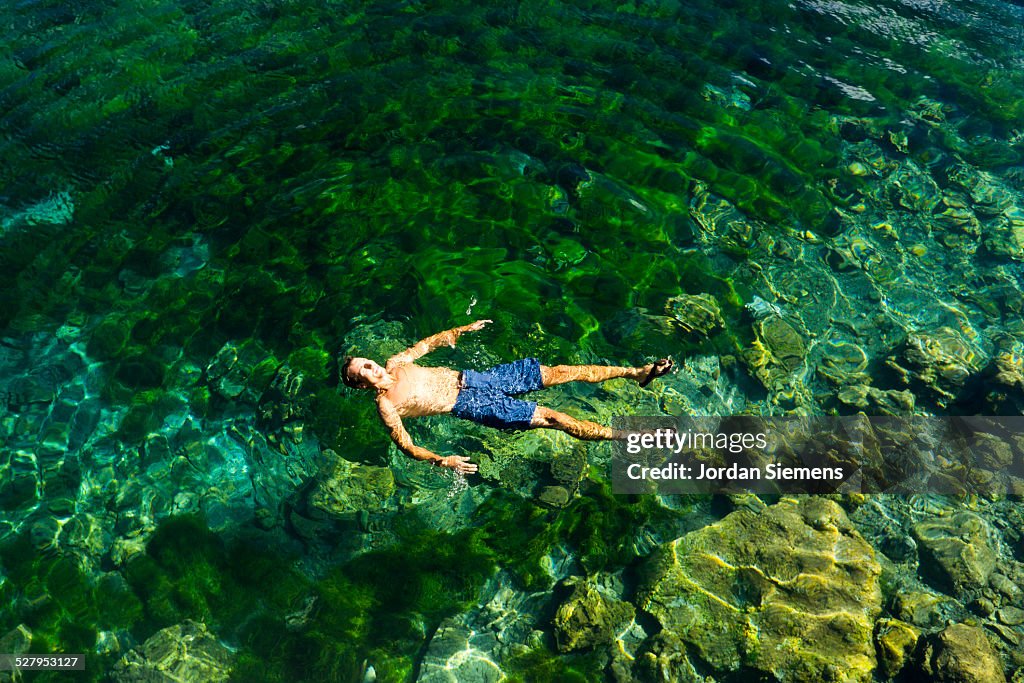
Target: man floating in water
{"type": "Point", "coordinates": [405, 389]}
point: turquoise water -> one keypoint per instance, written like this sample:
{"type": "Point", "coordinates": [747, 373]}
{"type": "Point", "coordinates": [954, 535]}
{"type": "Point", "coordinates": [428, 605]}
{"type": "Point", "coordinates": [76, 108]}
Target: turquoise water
{"type": "Point", "coordinates": [203, 205]}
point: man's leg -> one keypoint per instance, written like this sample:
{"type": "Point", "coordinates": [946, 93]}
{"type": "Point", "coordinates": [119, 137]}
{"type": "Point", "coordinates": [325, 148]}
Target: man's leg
{"type": "Point", "coordinates": [581, 429]}
{"type": "Point", "coordinates": [560, 374]}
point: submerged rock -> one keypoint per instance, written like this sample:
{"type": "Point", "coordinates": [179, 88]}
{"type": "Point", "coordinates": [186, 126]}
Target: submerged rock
{"type": "Point", "coordinates": [240, 371]}
{"type": "Point", "coordinates": [953, 214]}
{"type": "Point", "coordinates": [452, 658]}
{"type": "Point", "coordinates": [698, 313]}
{"type": "Point", "coordinates": [1010, 616]}
{"type": "Point", "coordinates": [553, 496]}
{"type": "Point", "coordinates": [881, 402]}
{"type": "Point", "coordinates": [1005, 237]}
{"type": "Point", "coordinates": [344, 488]}
{"type": "Point", "coordinates": [956, 551]}
{"type": "Point", "coordinates": [759, 309]}
{"type": "Point", "coordinates": [569, 467]}
{"type": "Point", "coordinates": [778, 350]}
{"type": "Point", "coordinates": [961, 654]}
{"type": "Point", "coordinates": [912, 190]}
{"type": "Point", "coordinates": [17, 640]}
{"type": "Point", "coordinates": [790, 592]}
{"type": "Point", "coordinates": [942, 361]}
{"type": "Point", "coordinates": [844, 363]}
{"type": "Point", "coordinates": [1009, 364]}
{"type": "Point", "coordinates": [181, 653]}
{"type": "Point", "coordinates": [720, 221]}
{"type": "Point", "coordinates": [786, 345]}
{"type": "Point", "coordinates": [988, 196]}
{"type": "Point", "coordinates": [664, 659]}
{"type": "Point", "coordinates": [284, 399]}
{"type": "Point", "coordinates": [589, 618]}
{"type": "Point", "coordinates": [895, 641]}
{"type": "Point", "coordinates": [926, 610]}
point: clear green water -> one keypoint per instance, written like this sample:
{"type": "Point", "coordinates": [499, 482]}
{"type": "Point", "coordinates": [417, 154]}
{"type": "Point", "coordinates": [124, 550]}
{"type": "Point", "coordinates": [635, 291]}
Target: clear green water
{"type": "Point", "coordinates": [201, 200]}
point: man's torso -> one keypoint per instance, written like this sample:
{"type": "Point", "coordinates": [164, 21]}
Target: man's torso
{"type": "Point", "coordinates": [420, 391]}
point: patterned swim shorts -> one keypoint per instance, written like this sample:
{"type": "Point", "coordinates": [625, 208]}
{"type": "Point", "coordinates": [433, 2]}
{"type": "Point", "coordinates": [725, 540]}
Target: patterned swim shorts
{"type": "Point", "coordinates": [486, 397]}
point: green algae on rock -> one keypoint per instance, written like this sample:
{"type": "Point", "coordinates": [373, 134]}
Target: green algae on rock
{"type": "Point", "coordinates": [587, 618]}
{"type": "Point", "coordinates": [939, 361]}
{"type": "Point", "coordinates": [956, 551]}
{"type": "Point", "coordinates": [774, 358]}
{"type": "Point", "coordinates": [553, 496]}
{"type": "Point", "coordinates": [895, 641]}
{"type": "Point", "coordinates": [699, 313]}
{"type": "Point", "coordinates": [924, 610]}
{"type": "Point", "coordinates": [598, 529]}
{"type": "Point", "coordinates": [791, 592]}
{"type": "Point", "coordinates": [881, 402]}
{"type": "Point", "coordinates": [342, 488]}
{"type": "Point", "coordinates": [183, 652]}
{"type": "Point", "coordinates": [569, 466]}
{"type": "Point", "coordinates": [844, 363]}
{"type": "Point", "coordinates": [961, 654]}
{"type": "Point", "coordinates": [664, 658]}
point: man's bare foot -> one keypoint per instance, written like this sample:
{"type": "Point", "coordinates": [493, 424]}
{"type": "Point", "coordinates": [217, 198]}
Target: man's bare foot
{"type": "Point", "coordinates": [657, 369]}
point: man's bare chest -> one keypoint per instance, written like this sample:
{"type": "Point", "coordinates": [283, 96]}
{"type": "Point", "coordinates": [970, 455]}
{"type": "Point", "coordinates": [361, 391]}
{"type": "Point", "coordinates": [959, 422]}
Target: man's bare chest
{"type": "Point", "coordinates": [423, 391]}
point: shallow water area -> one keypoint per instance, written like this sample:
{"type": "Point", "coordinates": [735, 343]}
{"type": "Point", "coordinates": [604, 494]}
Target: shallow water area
{"type": "Point", "coordinates": [814, 207]}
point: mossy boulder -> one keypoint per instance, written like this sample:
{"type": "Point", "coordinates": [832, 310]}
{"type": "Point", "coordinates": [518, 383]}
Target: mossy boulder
{"type": "Point", "coordinates": [961, 654]}
{"type": "Point", "coordinates": [569, 467]}
{"type": "Point", "coordinates": [940, 361]}
{"type": "Point", "coordinates": [895, 641]}
{"type": "Point", "coordinates": [956, 551]}
{"type": "Point", "coordinates": [553, 496]}
{"type": "Point", "coordinates": [1009, 366]}
{"type": "Point", "coordinates": [777, 350]}
{"type": "Point", "coordinates": [926, 610]}
{"type": "Point", "coordinates": [589, 618]}
{"type": "Point", "coordinates": [663, 658]}
{"type": "Point", "coordinates": [183, 652]}
{"type": "Point", "coordinates": [699, 313]}
{"type": "Point", "coordinates": [790, 592]}
{"type": "Point", "coordinates": [344, 488]}
{"type": "Point", "coordinates": [787, 346]}
{"type": "Point", "coordinates": [878, 401]}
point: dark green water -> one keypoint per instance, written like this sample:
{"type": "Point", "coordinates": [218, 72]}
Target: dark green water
{"type": "Point", "coordinates": [204, 204]}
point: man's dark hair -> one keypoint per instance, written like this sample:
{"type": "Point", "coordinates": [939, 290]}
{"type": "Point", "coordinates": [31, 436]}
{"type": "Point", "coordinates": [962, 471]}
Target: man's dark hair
{"type": "Point", "coordinates": [346, 377]}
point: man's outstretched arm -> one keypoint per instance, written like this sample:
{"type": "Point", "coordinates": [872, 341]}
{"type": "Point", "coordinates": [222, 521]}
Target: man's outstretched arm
{"type": "Point", "coordinates": [389, 415]}
{"type": "Point", "coordinates": [434, 341]}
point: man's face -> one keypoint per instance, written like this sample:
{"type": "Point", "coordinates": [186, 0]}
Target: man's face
{"type": "Point", "coordinates": [365, 372]}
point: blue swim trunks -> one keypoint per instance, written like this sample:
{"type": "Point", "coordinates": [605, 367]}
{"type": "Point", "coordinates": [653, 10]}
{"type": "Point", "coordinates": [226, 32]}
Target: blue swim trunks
{"type": "Point", "coordinates": [486, 397]}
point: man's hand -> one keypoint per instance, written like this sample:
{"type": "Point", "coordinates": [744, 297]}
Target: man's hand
{"type": "Point", "coordinates": [459, 463]}
{"type": "Point", "coordinates": [472, 327]}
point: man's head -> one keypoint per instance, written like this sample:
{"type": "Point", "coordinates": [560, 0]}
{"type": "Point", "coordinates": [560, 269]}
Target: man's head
{"type": "Point", "coordinates": [361, 373]}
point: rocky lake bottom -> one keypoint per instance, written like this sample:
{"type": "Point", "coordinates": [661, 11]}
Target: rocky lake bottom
{"type": "Point", "coordinates": [816, 208]}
